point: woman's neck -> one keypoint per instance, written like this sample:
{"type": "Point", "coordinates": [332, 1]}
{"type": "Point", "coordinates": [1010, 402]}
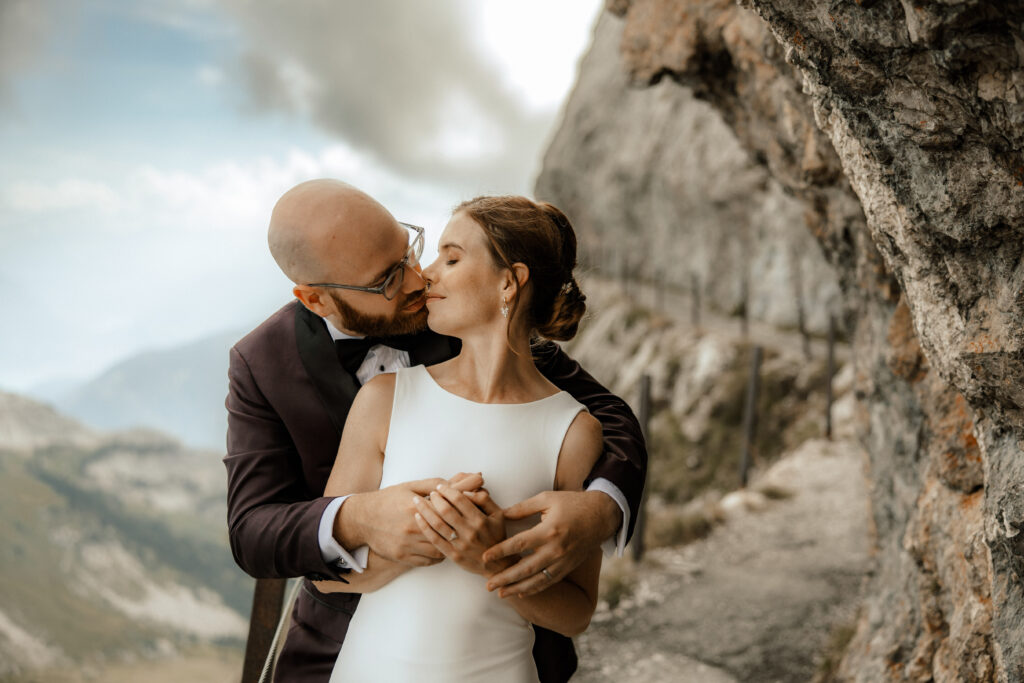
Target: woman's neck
{"type": "Point", "coordinates": [492, 368]}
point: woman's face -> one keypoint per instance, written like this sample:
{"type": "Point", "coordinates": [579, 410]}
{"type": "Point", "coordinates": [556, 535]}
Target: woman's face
{"type": "Point", "coordinates": [466, 286]}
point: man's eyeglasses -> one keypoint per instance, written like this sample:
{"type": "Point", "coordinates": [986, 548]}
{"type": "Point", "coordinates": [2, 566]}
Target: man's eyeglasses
{"type": "Point", "coordinates": [392, 281]}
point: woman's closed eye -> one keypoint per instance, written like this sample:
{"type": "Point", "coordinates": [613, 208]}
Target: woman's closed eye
{"type": "Point", "coordinates": [451, 262]}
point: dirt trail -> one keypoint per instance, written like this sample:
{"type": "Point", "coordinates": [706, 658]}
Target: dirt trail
{"type": "Point", "coordinates": [759, 599]}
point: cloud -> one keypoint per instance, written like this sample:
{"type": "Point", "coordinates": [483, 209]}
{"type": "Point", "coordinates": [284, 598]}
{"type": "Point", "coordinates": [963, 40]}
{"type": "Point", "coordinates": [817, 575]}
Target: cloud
{"type": "Point", "coordinates": [210, 76]}
{"type": "Point", "coordinates": [156, 256]}
{"type": "Point", "coordinates": [403, 81]}
{"type": "Point", "coordinates": [197, 18]}
{"type": "Point", "coordinates": [24, 25]}
{"type": "Point", "coordinates": [69, 193]}
{"type": "Point", "coordinates": [225, 196]}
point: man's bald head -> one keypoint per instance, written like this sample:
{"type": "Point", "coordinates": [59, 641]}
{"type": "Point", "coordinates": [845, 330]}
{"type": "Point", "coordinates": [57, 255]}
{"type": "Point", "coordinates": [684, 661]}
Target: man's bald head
{"type": "Point", "coordinates": [320, 230]}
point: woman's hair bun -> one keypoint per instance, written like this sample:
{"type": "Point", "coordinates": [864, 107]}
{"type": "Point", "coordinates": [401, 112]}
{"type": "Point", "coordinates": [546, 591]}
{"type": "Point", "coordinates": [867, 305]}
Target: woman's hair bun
{"type": "Point", "coordinates": [567, 309]}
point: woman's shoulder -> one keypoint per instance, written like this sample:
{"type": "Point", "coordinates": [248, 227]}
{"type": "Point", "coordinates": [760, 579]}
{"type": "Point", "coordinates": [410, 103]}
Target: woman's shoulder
{"type": "Point", "coordinates": [585, 430]}
{"type": "Point", "coordinates": [379, 388]}
{"type": "Point", "coordinates": [581, 448]}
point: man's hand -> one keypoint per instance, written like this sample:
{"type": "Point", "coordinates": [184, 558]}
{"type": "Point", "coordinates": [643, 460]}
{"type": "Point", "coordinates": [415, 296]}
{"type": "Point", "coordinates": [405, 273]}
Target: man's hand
{"type": "Point", "coordinates": [385, 520]}
{"type": "Point", "coordinates": [573, 524]}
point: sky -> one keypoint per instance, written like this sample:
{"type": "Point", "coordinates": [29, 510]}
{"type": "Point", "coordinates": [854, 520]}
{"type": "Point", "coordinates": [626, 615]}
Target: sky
{"type": "Point", "coordinates": [145, 142]}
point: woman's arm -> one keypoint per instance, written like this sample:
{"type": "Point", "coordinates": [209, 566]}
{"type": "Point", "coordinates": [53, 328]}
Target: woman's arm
{"type": "Point", "coordinates": [477, 524]}
{"type": "Point", "coordinates": [379, 572]}
{"type": "Point", "coordinates": [566, 607]}
{"type": "Point", "coordinates": [358, 469]}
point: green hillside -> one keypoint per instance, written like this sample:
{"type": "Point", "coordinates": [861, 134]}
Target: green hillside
{"type": "Point", "coordinates": [37, 581]}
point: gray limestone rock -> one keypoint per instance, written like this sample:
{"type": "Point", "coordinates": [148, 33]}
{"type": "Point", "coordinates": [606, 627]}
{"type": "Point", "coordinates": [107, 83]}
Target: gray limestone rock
{"type": "Point", "coordinates": [656, 184]}
{"type": "Point", "coordinates": [893, 130]}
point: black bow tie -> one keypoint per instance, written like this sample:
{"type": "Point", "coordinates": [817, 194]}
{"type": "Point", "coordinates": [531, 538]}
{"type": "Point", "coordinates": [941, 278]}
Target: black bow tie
{"type": "Point", "coordinates": [352, 352]}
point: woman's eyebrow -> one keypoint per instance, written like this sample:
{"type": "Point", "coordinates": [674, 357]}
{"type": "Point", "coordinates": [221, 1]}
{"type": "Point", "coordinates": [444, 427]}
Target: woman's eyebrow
{"type": "Point", "coordinates": [452, 245]}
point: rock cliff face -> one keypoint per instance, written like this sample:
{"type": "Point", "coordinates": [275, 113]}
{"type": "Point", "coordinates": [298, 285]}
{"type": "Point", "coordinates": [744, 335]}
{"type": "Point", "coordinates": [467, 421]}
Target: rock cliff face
{"type": "Point", "coordinates": [896, 127]}
{"type": "Point", "coordinates": [657, 183]}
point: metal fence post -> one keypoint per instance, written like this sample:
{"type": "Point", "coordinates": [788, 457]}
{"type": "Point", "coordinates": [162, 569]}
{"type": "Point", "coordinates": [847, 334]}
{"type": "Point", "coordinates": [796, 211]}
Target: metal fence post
{"type": "Point", "coordinates": [801, 313]}
{"type": "Point", "coordinates": [829, 371]}
{"type": "Point", "coordinates": [750, 414]}
{"type": "Point", "coordinates": [694, 300]}
{"type": "Point", "coordinates": [745, 299]}
{"type": "Point", "coordinates": [645, 424]}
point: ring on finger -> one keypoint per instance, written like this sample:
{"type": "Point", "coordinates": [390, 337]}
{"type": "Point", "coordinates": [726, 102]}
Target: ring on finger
{"type": "Point", "coordinates": [452, 536]}
{"type": "Point", "coordinates": [546, 573]}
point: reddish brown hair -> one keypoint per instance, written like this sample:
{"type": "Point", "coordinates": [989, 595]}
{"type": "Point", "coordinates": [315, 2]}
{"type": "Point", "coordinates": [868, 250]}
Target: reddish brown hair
{"type": "Point", "coordinates": [538, 235]}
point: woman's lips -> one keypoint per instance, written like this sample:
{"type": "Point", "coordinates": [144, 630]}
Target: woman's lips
{"type": "Point", "coordinates": [431, 298]}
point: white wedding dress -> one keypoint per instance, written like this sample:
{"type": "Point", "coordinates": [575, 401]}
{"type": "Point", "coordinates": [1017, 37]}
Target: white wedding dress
{"type": "Point", "coordinates": [439, 623]}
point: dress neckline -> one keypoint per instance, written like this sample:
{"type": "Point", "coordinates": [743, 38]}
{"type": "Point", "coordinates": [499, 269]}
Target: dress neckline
{"type": "Point", "coordinates": [479, 403]}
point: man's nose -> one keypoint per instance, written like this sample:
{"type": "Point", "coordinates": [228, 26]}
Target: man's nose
{"type": "Point", "coordinates": [414, 281]}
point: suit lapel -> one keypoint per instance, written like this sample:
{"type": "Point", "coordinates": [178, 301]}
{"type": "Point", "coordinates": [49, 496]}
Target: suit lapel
{"type": "Point", "coordinates": [336, 387]}
{"type": "Point", "coordinates": [433, 348]}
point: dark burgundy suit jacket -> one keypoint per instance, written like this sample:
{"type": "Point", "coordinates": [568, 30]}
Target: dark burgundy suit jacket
{"type": "Point", "coordinates": [288, 398]}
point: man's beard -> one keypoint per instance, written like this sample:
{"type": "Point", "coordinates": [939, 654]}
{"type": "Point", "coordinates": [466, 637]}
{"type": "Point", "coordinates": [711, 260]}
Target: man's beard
{"type": "Point", "coordinates": [402, 322]}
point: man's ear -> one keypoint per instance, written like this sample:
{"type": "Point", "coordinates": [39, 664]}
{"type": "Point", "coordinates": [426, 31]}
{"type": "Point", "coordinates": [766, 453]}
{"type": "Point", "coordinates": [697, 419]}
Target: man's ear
{"type": "Point", "coordinates": [515, 279]}
{"type": "Point", "coordinates": [312, 300]}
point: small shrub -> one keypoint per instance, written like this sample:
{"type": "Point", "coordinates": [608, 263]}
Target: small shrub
{"type": "Point", "coordinates": [838, 643]}
{"type": "Point", "coordinates": [616, 585]}
{"type": "Point", "coordinates": [678, 528]}
{"type": "Point", "coordinates": [774, 492]}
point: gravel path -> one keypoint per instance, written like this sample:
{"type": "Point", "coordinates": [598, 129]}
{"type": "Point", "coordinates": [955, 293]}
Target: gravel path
{"type": "Point", "coordinates": [759, 599]}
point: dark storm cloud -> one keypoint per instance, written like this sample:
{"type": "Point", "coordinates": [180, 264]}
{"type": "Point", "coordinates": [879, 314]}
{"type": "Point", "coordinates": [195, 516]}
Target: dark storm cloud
{"type": "Point", "coordinates": [401, 80]}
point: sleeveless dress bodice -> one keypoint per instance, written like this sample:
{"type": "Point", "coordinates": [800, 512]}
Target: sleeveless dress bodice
{"type": "Point", "coordinates": [440, 623]}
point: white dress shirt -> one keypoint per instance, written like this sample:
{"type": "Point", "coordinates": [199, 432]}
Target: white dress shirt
{"type": "Point", "coordinates": [380, 359]}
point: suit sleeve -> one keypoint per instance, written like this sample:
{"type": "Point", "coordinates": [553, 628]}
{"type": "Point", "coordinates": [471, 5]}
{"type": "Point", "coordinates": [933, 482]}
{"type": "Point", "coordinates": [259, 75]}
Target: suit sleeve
{"type": "Point", "coordinates": [624, 461]}
{"type": "Point", "coordinates": [273, 517]}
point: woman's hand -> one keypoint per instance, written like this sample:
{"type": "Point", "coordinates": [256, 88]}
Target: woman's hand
{"type": "Point", "coordinates": [462, 526]}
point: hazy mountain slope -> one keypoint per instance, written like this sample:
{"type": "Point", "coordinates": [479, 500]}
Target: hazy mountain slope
{"type": "Point", "coordinates": [26, 424]}
{"type": "Point", "coordinates": [179, 390]}
{"type": "Point", "coordinates": [110, 549]}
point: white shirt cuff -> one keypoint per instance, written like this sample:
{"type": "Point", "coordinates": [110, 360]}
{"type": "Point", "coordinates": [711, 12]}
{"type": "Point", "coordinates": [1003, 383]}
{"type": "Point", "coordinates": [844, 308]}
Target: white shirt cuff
{"type": "Point", "coordinates": [331, 550]}
{"type": "Point", "coordinates": [616, 543]}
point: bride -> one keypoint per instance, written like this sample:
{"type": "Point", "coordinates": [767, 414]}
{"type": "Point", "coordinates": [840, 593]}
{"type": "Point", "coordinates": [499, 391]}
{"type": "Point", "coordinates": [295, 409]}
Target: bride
{"type": "Point", "coordinates": [504, 274]}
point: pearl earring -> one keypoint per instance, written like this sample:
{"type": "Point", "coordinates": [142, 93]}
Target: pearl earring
{"type": "Point", "coordinates": [504, 309]}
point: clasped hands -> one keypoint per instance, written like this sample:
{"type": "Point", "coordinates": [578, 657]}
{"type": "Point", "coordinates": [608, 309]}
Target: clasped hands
{"type": "Point", "coordinates": [413, 523]}
{"type": "Point", "coordinates": [462, 526]}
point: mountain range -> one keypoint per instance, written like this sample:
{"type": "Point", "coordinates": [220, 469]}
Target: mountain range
{"type": "Point", "coordinates": [177, 390]}
{"type": "Point", "coordinates": [115, 544]}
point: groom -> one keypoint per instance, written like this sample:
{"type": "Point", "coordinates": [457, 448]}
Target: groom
{"type": "Point", "coordinates": [291, 383]}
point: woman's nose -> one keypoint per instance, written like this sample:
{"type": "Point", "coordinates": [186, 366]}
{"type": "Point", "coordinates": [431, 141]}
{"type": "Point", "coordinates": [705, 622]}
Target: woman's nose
{"type": "Point", "coordinates": [429, 273]}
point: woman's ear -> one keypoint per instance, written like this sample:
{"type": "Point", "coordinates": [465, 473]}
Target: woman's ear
{"type": "Point", "coordinates": [522, 273]}
{"type": "Point", "coordinates": [515, 279]}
